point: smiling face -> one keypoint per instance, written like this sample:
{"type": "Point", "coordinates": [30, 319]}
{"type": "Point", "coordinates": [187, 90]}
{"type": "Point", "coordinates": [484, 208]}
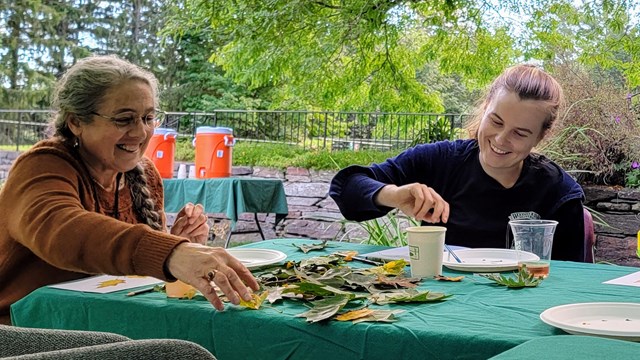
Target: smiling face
{"type": "Point", "coordinates": [509, 129]}
{"type": "Point", "coordinates": [105, 149]}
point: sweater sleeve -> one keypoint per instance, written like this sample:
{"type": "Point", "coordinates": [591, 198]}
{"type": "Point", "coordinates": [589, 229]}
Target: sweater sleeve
{"type": "Point", "coordinates": [355, 187]}
{"type": "Point", "coordinates": [53, 217]}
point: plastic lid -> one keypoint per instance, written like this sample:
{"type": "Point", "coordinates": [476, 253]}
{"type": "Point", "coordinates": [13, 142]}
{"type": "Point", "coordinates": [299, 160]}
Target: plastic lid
{"type": "Point", "coordinates": [164, 131]}
{"type": "Point", "coordinates": [214, 130]}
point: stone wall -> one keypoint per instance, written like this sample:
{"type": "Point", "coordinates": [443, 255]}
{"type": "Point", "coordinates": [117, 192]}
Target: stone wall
{"type": "Point", "coordinates": [617, 221]}
{"type": "Point", "coordinates": [6, 159]}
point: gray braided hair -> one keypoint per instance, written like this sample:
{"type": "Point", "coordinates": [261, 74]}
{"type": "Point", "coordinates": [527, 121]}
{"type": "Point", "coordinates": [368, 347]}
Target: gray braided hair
{"type": "Point", "coordinates": [143, 203]}
{"type": "Point", "coordinates": [80, 91]}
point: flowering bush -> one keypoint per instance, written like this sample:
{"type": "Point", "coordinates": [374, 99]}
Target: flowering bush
{"type": "Point", "coordinates": [597, 137]}
{"type": "Point", "coordinates": [633, 176]}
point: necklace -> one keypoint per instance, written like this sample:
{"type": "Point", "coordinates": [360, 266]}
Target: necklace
{"type": "Point", "coordinates": [119, 181]}
{"type": "Point", "coordinates": [120, 184]}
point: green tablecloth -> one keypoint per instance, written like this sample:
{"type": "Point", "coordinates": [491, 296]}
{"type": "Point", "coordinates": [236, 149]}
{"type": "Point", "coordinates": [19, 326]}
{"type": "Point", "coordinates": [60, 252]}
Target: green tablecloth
{"type": "Point", "coordinates": [565, 347]}
{"type": "Point", "coordinates": [478, 322]}
{"type": "Point", "coordinates": [231, 196]}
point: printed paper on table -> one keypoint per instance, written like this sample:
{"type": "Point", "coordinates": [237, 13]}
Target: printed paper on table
{"type": "Point", "coordinates": [107, 283]}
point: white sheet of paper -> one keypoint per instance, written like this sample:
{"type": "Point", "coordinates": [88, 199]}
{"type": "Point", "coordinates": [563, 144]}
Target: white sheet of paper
{"type": "Point", "coordinates": [92, 284]}
{"type": "Point", "coordinates": [628, 280]}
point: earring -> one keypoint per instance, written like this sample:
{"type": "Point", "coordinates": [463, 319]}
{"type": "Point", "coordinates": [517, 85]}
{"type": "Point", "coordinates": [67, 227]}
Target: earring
{"type": "Point", "coordinates": [76, 144]}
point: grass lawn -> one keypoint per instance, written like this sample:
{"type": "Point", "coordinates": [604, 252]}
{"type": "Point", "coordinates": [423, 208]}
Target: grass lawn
{"type": "Point", "coordinates": [13, 147]}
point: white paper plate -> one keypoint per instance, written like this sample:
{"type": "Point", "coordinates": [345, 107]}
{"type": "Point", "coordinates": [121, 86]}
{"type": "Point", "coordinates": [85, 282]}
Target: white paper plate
{"type": "Point", "coordinates": [253, 258]}
{"type": "Point", "coordinates": [606, 319]}
{"type": "Point", "coordinates": [487, 260]}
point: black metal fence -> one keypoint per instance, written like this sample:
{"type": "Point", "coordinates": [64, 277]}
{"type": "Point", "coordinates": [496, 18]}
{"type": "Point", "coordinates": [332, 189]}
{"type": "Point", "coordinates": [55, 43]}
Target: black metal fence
{"type": "Point", "coordinates": [308, 129]}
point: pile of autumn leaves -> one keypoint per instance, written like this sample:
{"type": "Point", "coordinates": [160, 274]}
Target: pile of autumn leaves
{"type": "Point", "coordinates": [332, 289]}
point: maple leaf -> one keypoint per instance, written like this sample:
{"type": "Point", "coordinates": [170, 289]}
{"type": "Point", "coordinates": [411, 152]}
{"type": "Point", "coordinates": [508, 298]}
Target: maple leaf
{"type": "Point", "coordinates": [522, 279]}
{"type": "Point", "coordinates": [256, 300]}
{"type": "Point", "coordinates": [327, 307]}
{"type": "Point", "coordinates": [380, 316]}
{"type": "Point", "coordinates": [319, 261]}
{"type": "Point", "coordinates": [310, 288]}
{"type": "Point", "coordinates": [448, 278]}
{"type": "Point", "coordinates": [333, 276]}
{"type": "Point", "coordinates": [408, 295]}
{"type": "Point", "coordinates": [107, 283]}
{"type": "Point", "coordinates": [312, 247]}
{"type": "Point", "coordinates": [355, 314]}
{"type": "Point", "coordinates": [395, 267]}
{"type": "Point", "coordinates": [396, 282]}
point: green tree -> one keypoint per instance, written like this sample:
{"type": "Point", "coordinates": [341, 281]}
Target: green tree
{"type": "Point", "coordinates": [350, 55]}
{"type": "Point", "coordinates": [600, 34]}
{"type": "Point", "coordinates": [38, 39]}
{"type": "Point", "coordinates": [197, 84]}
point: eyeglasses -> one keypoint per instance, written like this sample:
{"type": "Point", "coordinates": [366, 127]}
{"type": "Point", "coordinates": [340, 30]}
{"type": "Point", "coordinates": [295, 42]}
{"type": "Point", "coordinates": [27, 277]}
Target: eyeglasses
{"type": "Point", "coordinates": [129, 120]}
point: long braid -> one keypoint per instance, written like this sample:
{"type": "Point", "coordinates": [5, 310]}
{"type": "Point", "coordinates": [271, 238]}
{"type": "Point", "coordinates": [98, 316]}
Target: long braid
{"type": "Point", "coordinates": [143, 204]}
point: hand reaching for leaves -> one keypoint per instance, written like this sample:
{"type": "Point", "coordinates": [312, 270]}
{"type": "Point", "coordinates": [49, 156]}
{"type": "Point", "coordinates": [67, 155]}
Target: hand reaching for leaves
{"type": "Point", "coordinates": [191, 223]}
{"type": "Point", "coordinates": [201, 266]}
{"type": "Point", "coordinates": [416, 200]}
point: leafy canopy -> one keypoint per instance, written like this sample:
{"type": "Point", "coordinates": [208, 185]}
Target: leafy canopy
{"type": "Point", "coordinates": [350, 55]}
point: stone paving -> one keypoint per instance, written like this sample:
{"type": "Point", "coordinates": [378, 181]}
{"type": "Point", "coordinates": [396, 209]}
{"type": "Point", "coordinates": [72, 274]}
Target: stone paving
{"type": "Point", "coordinates": [312, 213]}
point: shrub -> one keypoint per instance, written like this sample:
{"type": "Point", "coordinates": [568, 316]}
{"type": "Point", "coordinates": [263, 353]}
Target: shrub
{"type": "Point", "coordinates": [597, 136]}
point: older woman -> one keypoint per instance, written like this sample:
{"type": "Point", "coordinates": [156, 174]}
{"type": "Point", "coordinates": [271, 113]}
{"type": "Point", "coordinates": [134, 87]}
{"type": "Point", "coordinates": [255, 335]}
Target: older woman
{"type": "Point", "coordinates": [474, 186]}
{"type": "Point", "coordinates": [86, 201]}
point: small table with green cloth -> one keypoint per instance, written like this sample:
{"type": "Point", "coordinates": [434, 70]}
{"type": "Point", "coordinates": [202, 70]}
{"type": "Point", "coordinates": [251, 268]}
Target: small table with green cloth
{"type": "Point", "coordinates": [231, 196]}
{"type": "Point", "coordinates": [479, 321]}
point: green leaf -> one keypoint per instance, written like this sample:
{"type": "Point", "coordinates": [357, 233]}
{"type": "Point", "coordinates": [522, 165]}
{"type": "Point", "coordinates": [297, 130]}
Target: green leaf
{"type": "Point", "coordinates": [521, 280]}
{"type": "Point", "coordinates": [305, 248]}
{"type": "Point", "coordinates": [409, 295]}
{"type": "Point", "coordinates": [327, 307]}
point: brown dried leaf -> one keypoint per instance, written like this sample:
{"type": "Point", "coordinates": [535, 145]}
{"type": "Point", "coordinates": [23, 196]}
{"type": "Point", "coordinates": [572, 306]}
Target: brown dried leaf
{"type": "Point", "coordinates": [449, 278]}
{"type": "Point", "coordinates": [396, 282]}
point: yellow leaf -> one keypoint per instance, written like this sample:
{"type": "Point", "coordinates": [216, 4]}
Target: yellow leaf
{"type": "Point", "coordinates": [114, 282]}
{"type": "Point", "coordinates": [256, 300]}
{"type": "Point", "coordinates": [348, 255]}
{"type": "Point", "coordinates": [395, 267]}
{"type": "Point", "coordinates": [355, 314]}
{"type": "Point", "coordinates": [189, 294]}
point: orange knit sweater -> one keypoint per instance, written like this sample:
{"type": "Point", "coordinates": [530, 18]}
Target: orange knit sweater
{"type": "Point", "coordinates": [50, 232]}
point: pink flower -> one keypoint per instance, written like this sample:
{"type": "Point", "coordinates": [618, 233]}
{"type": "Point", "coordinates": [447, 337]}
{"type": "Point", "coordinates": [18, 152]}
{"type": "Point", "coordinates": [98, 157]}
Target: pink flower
{"type": "Point", "coordinates": [635, 165]}
{"type": "Point", "coordinates": [618, 119]}
{"type": "Point", "coordinates": [629, 96]}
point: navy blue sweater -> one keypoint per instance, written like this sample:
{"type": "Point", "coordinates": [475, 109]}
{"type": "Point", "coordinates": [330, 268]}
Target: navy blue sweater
{"type": "Point", "coordinates": [479, 205]}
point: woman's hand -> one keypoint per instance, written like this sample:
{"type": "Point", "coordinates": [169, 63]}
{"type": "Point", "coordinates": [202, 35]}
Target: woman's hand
{"type": "Point", "coordinates": [191, 223]}
{"type": "Point", "coordinates": [416, 200]}
{"type": "Point", "coordinates": [201, 266]}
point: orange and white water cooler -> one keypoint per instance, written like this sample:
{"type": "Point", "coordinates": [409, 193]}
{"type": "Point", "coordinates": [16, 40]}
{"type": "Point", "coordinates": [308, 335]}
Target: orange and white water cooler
{"type": "Point", "coordinates": [214, 147]}
{"type": "Point", "coordinates": [161, 150]}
